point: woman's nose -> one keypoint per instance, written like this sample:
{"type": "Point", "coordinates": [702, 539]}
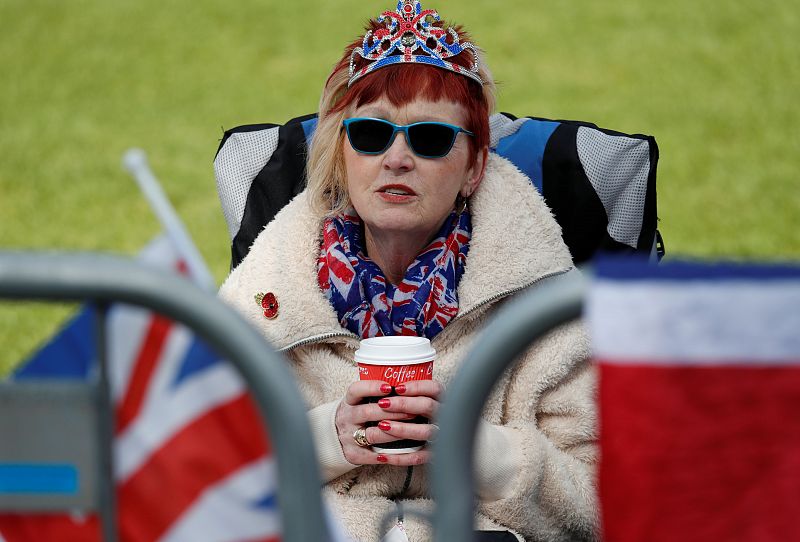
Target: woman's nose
{"type": "Point", "coordinates": [398, 156]}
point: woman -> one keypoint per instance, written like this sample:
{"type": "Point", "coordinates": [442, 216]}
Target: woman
{"type": "Point", "coordinates": [409, 226]}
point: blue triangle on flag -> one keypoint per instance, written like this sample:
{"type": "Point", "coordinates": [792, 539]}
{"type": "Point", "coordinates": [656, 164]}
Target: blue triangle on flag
{"type": "Point", "coordinates": [70, 354]}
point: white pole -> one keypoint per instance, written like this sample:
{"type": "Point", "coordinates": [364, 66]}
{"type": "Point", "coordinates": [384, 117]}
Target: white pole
{"type": "Point", "coordinates": [135, 161]}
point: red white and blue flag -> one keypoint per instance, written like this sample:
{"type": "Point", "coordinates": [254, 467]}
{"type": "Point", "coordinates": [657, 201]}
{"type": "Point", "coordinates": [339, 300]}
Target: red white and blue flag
{"type": "Point", "coordinates": [699, 400]}
{"type": "Point", "coordinates": [190, 456]}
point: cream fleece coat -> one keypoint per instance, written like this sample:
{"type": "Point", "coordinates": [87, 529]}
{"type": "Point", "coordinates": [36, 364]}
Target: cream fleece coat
{"type": "Point", "coordinates": [536, 445]}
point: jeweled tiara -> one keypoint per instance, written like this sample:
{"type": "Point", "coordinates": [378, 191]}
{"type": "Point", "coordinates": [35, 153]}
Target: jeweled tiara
{"type": "Point", "coordinates": [410, 37]}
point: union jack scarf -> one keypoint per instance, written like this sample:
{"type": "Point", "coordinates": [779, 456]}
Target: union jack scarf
{"type": "Point", "coordinates": [368, 305]}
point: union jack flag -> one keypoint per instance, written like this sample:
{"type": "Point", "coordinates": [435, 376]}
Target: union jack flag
{"type": "Point", "coordinates": [191, 460]}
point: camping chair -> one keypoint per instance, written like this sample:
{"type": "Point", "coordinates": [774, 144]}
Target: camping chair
{"type": "Point", "coordinates": [706, 447]}
{"type": "Point", "coordinates": [600, 184]}
{"type": "Point", "coordinates": [55, 438]}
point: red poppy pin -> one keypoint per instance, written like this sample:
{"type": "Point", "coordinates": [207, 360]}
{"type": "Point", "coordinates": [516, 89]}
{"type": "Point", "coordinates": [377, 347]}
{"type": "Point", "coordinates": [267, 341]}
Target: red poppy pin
{"type": "Point", "coordinates": [269, 303]}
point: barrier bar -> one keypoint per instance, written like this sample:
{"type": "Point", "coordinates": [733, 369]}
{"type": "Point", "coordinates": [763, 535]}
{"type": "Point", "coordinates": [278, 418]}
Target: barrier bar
{"type": "Point", "coordinates": [552, 302]}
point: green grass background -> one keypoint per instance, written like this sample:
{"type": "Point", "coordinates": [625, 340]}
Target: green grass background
{"type": "Point", "coordinates": [82, 81]}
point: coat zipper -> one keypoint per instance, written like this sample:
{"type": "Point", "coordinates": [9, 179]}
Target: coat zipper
{"type": "Point", "coordinates": [317, 338]}
{"type": "Point", "coordinates": [501, 295]}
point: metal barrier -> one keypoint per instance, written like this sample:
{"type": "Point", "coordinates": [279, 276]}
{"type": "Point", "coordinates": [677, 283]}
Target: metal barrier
{"type": "Point", "coordinates": [508, 335]}
{"type": "Point", "coordinates": [107, 279]}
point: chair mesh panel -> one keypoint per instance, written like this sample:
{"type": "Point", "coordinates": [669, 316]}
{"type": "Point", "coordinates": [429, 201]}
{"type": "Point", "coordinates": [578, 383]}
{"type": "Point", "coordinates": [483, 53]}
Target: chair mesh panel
{"type": "Point", "coordinates": [235, 167]}
{"type": "Point", "coordinates": [618, 168]}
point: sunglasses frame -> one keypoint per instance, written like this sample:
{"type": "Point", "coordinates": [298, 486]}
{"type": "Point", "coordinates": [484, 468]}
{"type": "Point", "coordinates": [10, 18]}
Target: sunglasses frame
{"type": "Point", "coordinates": [404, 128]}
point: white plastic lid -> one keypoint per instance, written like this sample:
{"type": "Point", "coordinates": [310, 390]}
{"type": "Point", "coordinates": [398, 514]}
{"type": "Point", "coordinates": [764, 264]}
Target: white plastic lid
{"type": "Point", "coordinates": [395, 350]}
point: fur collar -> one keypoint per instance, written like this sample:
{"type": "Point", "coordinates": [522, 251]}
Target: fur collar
{"type": "Point", "coordinates": [515, 242]}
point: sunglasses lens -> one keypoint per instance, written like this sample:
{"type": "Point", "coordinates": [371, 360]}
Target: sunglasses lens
{"type": "Point", "coordinates": [369, 136]}
{"type": "Point", "coordinates": [431, 139]}
{"type": "Point", "coordinates": [426, 139]}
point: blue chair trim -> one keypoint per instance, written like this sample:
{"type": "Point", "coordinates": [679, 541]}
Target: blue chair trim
{"type": "Point", "coordinates": [525, 148]}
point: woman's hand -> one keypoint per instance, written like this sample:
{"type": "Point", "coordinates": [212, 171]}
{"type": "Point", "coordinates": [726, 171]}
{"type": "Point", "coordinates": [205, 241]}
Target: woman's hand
{"type": "Point", "coordinates": [417, 398]}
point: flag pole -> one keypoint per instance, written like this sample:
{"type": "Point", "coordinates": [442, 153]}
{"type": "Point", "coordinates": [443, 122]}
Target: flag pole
{"type": "Point", "coordinates": [135, 161]}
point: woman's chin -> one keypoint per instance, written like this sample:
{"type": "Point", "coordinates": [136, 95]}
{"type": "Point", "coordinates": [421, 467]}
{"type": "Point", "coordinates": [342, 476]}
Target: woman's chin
{"type": "Point", "coordinates": [409, 219]}
{"type": "Point", "coordinates": [397, 222]}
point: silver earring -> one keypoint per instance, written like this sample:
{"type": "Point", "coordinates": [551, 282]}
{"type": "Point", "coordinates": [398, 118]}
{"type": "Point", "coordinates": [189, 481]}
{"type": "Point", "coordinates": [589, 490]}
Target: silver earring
{"type": "Point", "coordinates": [461, 204]}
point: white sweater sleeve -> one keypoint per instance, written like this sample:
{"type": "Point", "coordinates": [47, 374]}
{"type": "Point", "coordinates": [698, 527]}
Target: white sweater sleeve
{"type": "Point", "coordinates": [326, 440]}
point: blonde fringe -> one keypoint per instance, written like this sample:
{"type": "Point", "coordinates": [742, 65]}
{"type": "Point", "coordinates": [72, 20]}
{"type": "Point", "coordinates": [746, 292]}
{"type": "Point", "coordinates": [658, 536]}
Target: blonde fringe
{"type": "Point", "coordinates": [327, 181]}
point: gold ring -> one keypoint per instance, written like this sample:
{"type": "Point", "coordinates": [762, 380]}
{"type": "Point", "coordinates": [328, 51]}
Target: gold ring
{"type": "Point", "coordinates": [360, 436]}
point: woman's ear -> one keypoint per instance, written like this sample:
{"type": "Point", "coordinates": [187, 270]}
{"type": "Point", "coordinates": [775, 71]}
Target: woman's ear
{"type": "Point", "coordinates": [475, 173]}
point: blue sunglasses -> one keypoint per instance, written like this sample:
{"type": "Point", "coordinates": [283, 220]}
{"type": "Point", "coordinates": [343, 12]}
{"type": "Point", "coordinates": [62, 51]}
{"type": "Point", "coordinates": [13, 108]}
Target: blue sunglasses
{"type": "Point", "coordinates": [426, 139]}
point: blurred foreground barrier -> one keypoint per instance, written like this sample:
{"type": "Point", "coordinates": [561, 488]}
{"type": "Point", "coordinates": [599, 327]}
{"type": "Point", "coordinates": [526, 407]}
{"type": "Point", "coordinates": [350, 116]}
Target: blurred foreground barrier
{"type": "Point", "coordinates": [86, 409]}
{"type": "Point", "coordinates": [516, 326]}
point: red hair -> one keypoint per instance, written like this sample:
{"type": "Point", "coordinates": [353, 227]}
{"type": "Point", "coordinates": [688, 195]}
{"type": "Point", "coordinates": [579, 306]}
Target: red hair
{"type": "Point", "coordinates": [401, 84]}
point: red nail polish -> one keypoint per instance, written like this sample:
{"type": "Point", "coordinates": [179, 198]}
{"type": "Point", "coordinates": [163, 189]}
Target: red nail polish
{"type": "Point", "coordinates": [384, 403]}
{"type": "Point", "coordinates": [386, 388]}
{"type": "Point", "coordinates": [385, 426]}
{"type": "Point", "coordinates": [401, 389]}
{"type": "Point", "coordinates": [382, 458]}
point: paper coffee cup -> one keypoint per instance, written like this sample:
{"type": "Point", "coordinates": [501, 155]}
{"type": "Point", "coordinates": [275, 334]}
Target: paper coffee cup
{"type": "Point", "coordinates": [396, 360]}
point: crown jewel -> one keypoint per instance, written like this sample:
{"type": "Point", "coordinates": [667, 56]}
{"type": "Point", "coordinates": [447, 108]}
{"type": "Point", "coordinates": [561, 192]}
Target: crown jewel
{"type": "Point", "coordinates": [410, 37]}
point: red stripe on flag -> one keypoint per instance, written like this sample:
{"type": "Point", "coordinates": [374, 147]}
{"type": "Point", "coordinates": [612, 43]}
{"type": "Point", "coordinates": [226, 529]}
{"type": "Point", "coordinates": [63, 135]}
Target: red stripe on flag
{"type": "Point", "coordinates": [699, 453]}
{"type": "Point", "coordinates": [143, 369]}
{"type": "Point", "coordinates": [205, 452]}
{"type": "Point", "coordinates": [47, 527]}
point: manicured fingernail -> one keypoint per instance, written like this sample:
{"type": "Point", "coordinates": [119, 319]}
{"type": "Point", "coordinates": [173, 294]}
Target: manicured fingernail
{"type": "Point", "coordinates": [386, 388]}
{"type": "Point", "coordinates": [385, 426]}
{"type": "Point", "coordinates": [384, 403]}
{"type": "Point", "coordinates": [382, 458]}
{"type": "Point", "coordinates": [401, 389]}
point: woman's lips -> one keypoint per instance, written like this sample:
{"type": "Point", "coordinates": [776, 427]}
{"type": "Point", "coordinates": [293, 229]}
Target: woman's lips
{"type": "Point", "coordinates": [396, 193]}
